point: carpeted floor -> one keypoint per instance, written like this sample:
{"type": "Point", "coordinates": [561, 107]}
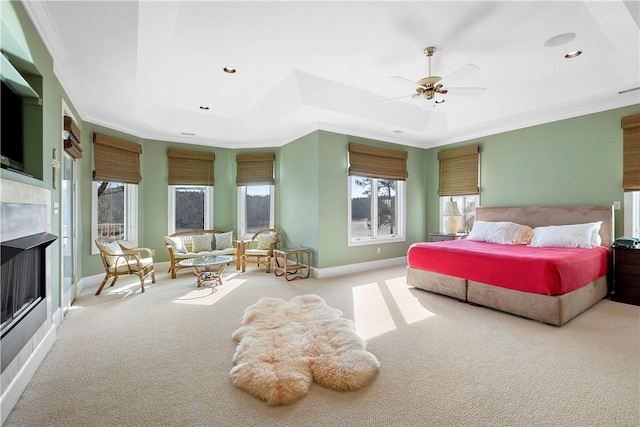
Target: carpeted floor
{"type": "Point", "coordinates": [163, 358]}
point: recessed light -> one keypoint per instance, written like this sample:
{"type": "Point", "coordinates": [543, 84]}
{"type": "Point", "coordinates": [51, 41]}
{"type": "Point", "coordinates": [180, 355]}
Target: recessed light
{"type": "Point", "coordinates": [188, 133]}
{"type": "Point", "coordinates": [229, 70]}
{"type": "Point", "coordinates": [560, 39]}
{"type": "Point", "coordinates": [204, 107]}
{"type": "Point", "coordinates": [440, 101]}
{"type": "Point", "coordinates": [573, 54]}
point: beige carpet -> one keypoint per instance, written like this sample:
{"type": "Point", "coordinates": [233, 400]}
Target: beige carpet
{"type": "Point", "coordinates": [163, 358]}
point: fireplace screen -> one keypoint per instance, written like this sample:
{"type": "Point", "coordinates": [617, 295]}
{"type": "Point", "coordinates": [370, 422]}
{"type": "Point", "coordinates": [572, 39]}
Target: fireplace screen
{"type": "Point", "coordinates": [23, 275]}
{"type": "Point", "coordinates": [22, 284]}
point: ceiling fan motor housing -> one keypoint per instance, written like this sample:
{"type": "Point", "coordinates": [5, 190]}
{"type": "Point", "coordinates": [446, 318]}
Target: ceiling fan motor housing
{"type": "Point", "coordinates": [428, 86]}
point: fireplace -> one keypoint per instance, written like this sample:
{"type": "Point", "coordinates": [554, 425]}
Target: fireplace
{"type": "Point", "coordinates": [23, 295]}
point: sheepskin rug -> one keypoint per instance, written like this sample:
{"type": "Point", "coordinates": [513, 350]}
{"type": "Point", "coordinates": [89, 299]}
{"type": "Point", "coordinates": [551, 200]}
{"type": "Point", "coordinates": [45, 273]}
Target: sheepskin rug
{"type": "Point", "coordinates": [284, 346]}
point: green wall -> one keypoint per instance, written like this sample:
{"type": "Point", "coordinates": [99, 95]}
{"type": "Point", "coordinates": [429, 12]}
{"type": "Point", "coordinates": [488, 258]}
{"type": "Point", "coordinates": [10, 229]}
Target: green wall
{"type": "Point", "coordinates": [297, 191]}
{"type": "Point", "coordinates": [567, 162]}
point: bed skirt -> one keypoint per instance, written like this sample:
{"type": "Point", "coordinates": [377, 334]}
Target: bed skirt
{"type": "Point", "coordinates": [553, 309]}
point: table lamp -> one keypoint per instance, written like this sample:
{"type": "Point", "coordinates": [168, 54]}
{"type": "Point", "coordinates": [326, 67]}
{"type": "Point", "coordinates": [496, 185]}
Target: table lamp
{"type": "Point", "coordinates": [452, 213]}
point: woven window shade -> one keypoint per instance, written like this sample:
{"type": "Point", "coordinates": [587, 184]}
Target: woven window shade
{"type": "Point", "coordinates": [375, 162]}
{"type": "Point", "coordinates": [72, 144]}
{"type": "Point", "coordinates": [255, 169]}
{"type": "Point", "coordinates": [187, 167]}
{"type": "Point", "coordinates": [459, 171]}
{"type": "Point", "coordinates": [631, 153]}
{"type": "Point", "coordinates": [116, 160]}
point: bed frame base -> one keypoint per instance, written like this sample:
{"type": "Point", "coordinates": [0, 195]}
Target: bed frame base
{"type": "Point", "coordinates": [552, 309]}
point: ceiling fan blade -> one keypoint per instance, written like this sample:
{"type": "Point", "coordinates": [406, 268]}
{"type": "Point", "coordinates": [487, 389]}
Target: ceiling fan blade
{"type": "Point", "coordinates": [406, 80]}
{"type": "Point", "coordinates": [413, 95]}
{"type": "Point", "coordinates": [466, 91]}
{"type": "Point", "coordinates": [460, 73]}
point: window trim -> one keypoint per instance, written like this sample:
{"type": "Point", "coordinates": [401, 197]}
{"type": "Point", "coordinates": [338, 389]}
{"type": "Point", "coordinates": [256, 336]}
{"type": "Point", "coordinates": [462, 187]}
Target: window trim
{"type": "Point", "coordinates": [242, 220]}
{"type": "Point", "coordinates": [632, 214]}
{"type": "Point", "coordinates": [131, 220]}
{"type": "Point", "coordinates": [171, 204]}
{"type": "Point", "coordinates": [400, 236]}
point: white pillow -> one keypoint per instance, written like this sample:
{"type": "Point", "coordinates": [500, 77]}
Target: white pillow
{"type": "Point", "coordinates": [502, 232]}
{"type": "Point", "coordinates": [568, 236]}
{"type": "Point", "coordinates": [201, 242]}
{"type": "Point", "coordinates": [224, 240]}
{"type": "Point", "coordinates": [177, 244]}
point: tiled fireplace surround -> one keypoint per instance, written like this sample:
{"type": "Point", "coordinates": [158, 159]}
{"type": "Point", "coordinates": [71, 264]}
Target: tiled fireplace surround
{"type": "Point", "coordinates": [19, 371]}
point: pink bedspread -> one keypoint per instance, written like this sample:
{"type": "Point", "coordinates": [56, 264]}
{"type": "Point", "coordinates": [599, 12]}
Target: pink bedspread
{"type": "Point", "coordinates": [550, 271]}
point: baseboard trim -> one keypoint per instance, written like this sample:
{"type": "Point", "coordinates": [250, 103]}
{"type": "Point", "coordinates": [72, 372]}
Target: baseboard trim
{"type": "Point", "coordinates": [341, 270]}
{"type": "Point", "coordinates": [19, 384]}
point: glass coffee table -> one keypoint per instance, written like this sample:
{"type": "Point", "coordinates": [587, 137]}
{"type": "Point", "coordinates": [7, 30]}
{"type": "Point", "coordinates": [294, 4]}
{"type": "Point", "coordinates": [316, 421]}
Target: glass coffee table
{"type": "Point", "coordinates": [208, 268]}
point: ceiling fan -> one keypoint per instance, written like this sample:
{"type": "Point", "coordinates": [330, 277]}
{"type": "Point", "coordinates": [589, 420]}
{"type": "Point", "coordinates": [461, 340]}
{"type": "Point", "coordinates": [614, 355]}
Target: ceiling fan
{"type": "Point", "coordinates": [429, 86]}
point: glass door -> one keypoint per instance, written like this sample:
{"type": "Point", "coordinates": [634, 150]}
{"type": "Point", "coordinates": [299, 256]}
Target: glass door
{"type": "Point", "coordinates": [69, 285]}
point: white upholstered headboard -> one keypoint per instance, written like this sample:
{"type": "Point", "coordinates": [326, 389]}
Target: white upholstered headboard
{"type": "Point", "coordinates": [539, 216]}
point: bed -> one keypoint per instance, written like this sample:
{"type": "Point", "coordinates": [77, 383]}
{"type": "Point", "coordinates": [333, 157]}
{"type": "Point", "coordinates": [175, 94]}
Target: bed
{"type": "Point", "coordinates": [560, 283]}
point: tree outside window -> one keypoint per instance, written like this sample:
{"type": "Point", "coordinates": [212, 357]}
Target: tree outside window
{"type": "Point", "coordinates": [375, 214]}
{"type": "Point", "coordinates": [255, 208]}
{"type": "Point", "coordinates": [111, 209]}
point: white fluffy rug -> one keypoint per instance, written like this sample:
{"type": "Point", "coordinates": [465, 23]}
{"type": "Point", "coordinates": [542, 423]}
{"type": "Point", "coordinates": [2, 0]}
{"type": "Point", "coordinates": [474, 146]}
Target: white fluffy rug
{"type": "Point", "coordinates": [284, 346]}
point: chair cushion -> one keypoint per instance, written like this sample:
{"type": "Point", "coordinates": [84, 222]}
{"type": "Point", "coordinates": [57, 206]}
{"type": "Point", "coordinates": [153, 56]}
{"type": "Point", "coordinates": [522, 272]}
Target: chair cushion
{"type": "Point", "coordinates": [265, 240]}
{"type": "Point", "coordinates": [176, 243]}
{"type": "Point", "coordinates": [224, 240]}
{"type": "Point", "coordinates": [256, 252]}
{"type": "Point", "coordinates": [201, 243]}
{"type": "Point", "coordinates": [124, 265]}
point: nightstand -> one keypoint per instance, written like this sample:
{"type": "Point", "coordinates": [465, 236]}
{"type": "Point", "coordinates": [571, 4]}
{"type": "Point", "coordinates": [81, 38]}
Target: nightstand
{"type": "Point", "coordinates": [626, 275]}
{"type": "Point", "coordinates": [441, 237]}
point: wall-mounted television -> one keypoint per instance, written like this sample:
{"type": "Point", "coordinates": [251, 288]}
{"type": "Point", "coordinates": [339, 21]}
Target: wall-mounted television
{"type": "Point", "coordinates": [11, 125]}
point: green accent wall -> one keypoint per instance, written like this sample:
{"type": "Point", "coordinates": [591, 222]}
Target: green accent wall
{"type": "Point", "coordinates": [575, 161]}
{"type": "Point", "coordinates": [297, 192]}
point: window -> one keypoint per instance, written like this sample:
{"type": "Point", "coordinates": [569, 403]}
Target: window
{"type": "Point", "coordinates": [466, 206]}
{"type": "Point", "coordinates": [255, 209]}
{"type": "Point", "coordinates": [632, 214]}
{"type": "Point", "coordinates": [376, 211]}
{"type": "Point", "coordinates": [459, 181]}
{"type": "Point", "coordinates": [190, 207]}
{"type": "Point", "coordinates": [114, 212]}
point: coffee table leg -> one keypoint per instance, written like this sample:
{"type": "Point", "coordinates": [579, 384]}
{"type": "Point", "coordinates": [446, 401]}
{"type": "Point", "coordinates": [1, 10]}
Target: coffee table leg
{"type": "Point", "coordinates": [208, 275]}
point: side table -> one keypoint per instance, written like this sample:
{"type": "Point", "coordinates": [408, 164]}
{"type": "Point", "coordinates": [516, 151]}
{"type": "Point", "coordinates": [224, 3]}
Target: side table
{"type": "Point", "coordinates": [626, 275]}
{"type": "Point", "coordinates": [293, 263]}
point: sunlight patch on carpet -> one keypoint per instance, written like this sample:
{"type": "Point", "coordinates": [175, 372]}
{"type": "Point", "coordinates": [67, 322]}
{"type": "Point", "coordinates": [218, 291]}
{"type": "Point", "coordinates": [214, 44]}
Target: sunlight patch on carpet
{"type": "Point", "coordinates": [411, 309]}
{"type": "Point", "coordinates": [370, 312]}
{"type": "Point", "coordinates": [283, 347]}
{"type": "Point", "coordinates": [207, 295]}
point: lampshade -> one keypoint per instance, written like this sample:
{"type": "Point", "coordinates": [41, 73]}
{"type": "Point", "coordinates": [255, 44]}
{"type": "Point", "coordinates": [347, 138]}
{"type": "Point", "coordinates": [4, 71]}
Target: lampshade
{"type": "Point", "coordinates": [451, 209]}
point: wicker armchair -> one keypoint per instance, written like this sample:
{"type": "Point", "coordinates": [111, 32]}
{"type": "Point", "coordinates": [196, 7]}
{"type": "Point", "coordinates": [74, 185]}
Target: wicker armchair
{"type": "Point", "coordinates": [259, 249]}
{"type": "Point", "coordinates": [119, 260]}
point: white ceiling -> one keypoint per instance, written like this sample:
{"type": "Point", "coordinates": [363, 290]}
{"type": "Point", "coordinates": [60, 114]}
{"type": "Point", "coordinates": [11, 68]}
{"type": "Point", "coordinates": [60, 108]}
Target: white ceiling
{"type": "Point", "coordinates": [145, 67]}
